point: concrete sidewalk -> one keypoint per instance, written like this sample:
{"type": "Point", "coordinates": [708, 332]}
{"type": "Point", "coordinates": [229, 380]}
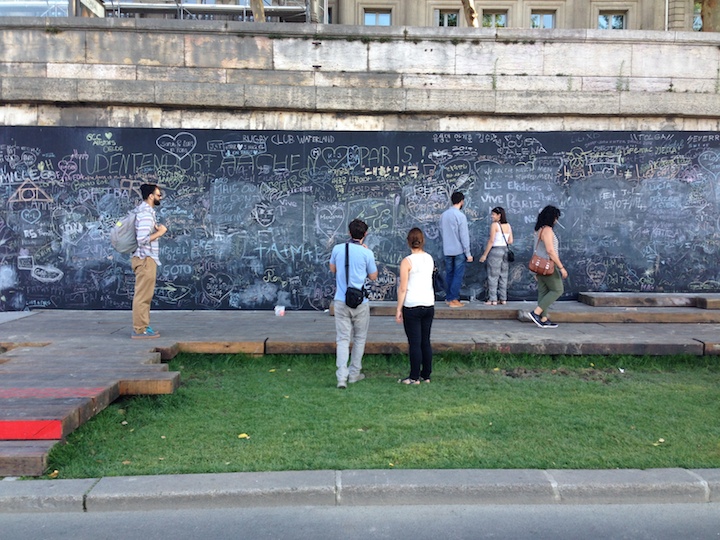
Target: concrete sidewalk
{"type": "Point", "coordinates": [363, 488]}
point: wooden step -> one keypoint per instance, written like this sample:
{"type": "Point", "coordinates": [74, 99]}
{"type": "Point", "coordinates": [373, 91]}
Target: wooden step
{"type": "Point", "coordinates": [144, 383]}
{"type": "Point", "coordinates": [24, 458]}
{"type": "Point", "coordinates": [31, 414]}
{"type": "Point", "coordinates": [708, 301]}
{"type": "Point", "coordinates": [621, 299]}
{"type": "Point", "coordinates": [564, 311]}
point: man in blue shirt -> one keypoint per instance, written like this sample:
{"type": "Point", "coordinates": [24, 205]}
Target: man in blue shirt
{"type": "Point", "coordinates": [456, 247]}
{"type": "Point", "coordinates": [351, 322]}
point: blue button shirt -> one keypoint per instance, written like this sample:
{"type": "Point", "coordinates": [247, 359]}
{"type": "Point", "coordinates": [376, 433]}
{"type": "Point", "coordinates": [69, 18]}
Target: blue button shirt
{"type": "Point", "coordinates": [362, 264]}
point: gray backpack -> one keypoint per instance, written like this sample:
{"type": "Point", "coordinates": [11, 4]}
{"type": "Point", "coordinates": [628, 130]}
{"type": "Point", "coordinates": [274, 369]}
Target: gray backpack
{"type": "Point", "coordinates": [122, 235]}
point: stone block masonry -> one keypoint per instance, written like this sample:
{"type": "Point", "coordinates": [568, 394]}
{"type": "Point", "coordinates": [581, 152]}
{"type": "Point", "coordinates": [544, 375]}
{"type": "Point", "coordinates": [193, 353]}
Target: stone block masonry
{"type": "Point", "coordinates": [200, 74]}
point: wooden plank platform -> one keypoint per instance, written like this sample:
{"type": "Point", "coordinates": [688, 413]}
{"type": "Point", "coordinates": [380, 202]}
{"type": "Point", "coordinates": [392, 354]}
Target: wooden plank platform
{"type": "Point", "coordinates": [569, 312]}
{"type": "Point", "coordinates": [48, 391]}
{"type": "Point", "coordinates": [708, 301]}
{"type": "Point", "coordinates": [620, 299]}
{"type": "Point", "coordinates": [24, 458]}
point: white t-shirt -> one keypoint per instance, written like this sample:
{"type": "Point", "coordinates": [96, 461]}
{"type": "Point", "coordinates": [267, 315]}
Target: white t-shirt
{"type": "Point", "coordinates": [420, 288]}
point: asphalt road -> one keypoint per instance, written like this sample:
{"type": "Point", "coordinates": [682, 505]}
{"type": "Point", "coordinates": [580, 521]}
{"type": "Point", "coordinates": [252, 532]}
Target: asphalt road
{"type": "Point", "coordinates": [557, 522]}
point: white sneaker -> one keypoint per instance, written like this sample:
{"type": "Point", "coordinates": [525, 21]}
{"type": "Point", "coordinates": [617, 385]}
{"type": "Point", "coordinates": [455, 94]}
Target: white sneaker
{"type": "Point", "coordinates": [360, 377]}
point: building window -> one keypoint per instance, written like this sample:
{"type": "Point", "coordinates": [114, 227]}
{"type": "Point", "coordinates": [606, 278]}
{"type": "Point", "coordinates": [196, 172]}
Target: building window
{"type": "Point", "coordinates": [697, 17]}
{"type": "Point", "coordinates": [542, 19]}
{"type": "Point", "coordinates": [374, 17]}
{"type": "Point", "coordinates": [612, 20]}
{"type": "Point", "coordinates": [494, 19]}
{"type": "Point", "coordinates": [446, 18]}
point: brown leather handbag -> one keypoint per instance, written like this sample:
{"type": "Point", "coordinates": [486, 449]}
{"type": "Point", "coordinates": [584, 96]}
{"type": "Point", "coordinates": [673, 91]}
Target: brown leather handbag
{"type": "Point", "coordinates": [541, 265]}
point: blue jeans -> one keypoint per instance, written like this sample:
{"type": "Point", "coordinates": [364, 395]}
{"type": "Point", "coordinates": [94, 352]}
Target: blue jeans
{"type": "Point", "coordinates": [454, 273]}
{"type": "Point", "coordinates": [418, 322]}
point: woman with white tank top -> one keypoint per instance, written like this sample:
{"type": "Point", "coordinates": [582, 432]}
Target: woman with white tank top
{"type": "Point", "coordinates": [416, 307]}
{"type": "Point", "coordinates": [496, 251]}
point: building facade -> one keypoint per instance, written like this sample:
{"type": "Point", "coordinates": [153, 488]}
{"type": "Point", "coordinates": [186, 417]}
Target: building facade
{"type": "Point", "coordinates": [673, 15]}
{"type": "Point", "coordinates": [563, 14]}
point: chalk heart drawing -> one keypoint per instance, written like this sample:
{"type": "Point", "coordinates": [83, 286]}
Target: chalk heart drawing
{"type": "Point", "coordinates": [596, 271]}
{"type": "Point", "coordinates": [67, 167]}
{"type": "Point", "coordinates": [331, 220]}
{"type": "Point", "coordinates": [30, 215]}
{"type": "Point", "coordinates": [217, 286]}
{"type": "Point", "coordinates": [28, 158]}
{"type": "Point", "coordinates": [179, 146]}
{"type": "Point", "coordinates": [710, 162]}
{"type": "Point", "coordinates": [335, 157]}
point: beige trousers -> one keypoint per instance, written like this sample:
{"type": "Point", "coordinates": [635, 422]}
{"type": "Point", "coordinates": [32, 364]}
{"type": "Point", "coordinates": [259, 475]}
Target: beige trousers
{"type": "Point", "coordinates": [145, 275]}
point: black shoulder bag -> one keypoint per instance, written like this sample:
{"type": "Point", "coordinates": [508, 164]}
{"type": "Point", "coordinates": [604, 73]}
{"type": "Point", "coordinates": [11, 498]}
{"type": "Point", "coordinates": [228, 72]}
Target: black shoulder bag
{"type": "Point", "coordinates": [353, 297]}
{"type": "Point", "coordinates": [438, 280]}
{"type": "Point", "coordinates": [510, 253]}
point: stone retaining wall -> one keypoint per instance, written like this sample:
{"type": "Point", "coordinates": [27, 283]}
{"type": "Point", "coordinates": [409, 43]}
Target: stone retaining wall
{"type": "Point", "coordinates": [207, 74]}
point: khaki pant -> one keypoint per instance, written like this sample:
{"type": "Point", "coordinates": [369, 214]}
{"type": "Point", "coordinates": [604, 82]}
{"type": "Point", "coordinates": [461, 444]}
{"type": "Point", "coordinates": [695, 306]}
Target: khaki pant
{"type": "Point", "coordinates": [351, 325]}
{"type": "Point", "coordinates": [145, 274]}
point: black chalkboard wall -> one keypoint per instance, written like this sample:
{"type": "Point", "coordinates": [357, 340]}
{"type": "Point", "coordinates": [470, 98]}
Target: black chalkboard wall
{"type": "Point", "coordinates": [253, 215]}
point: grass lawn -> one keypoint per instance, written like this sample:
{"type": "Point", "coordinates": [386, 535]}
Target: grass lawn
{"type": "Point", "coordinates": [240, 413]}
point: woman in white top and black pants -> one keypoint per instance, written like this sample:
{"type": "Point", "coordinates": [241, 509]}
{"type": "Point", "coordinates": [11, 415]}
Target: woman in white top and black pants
{"type": "Point", "coordinates": [416, 307]}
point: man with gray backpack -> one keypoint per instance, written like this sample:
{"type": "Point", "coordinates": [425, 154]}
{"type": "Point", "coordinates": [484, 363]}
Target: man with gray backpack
{"type": "Point", "coordinates": [145, 260]}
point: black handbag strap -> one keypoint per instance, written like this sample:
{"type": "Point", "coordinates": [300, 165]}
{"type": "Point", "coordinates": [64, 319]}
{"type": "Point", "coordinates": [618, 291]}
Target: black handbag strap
{"type": "Point", "coordinates": [347, 264]}
{"type": "Point", "coordinates": [538, 240]}
{"type": "Point", "coordinates": [503, 233]}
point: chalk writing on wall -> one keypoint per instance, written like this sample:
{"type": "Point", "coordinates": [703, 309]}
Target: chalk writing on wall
{"type": "Point", "coordinates": [253, 215]}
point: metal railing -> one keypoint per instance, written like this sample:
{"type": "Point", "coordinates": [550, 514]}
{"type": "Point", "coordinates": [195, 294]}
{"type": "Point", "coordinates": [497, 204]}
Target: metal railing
{"type": "Point", "coordinates": [34, 8]}
{"type": "Point", "coordinates": [290, 11]}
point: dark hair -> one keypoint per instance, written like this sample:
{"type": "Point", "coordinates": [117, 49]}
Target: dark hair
{"type": "Point", "coordinates": [416, 238]}
{"type": "Point", "coordinates": [547, 217]}
{"type": "Point", "coordinates": [457, 197]}
{"type": "Point", "coordinates": [147, 189]}
{"type": "Point", "coordinates": [500, 210]}
{"type": "Point", "coordinates": [358, 228]}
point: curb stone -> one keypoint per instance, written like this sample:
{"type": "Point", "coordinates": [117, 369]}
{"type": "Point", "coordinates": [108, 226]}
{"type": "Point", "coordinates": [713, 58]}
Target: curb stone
{"type": "Point", "coordinates": [363, 488]}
